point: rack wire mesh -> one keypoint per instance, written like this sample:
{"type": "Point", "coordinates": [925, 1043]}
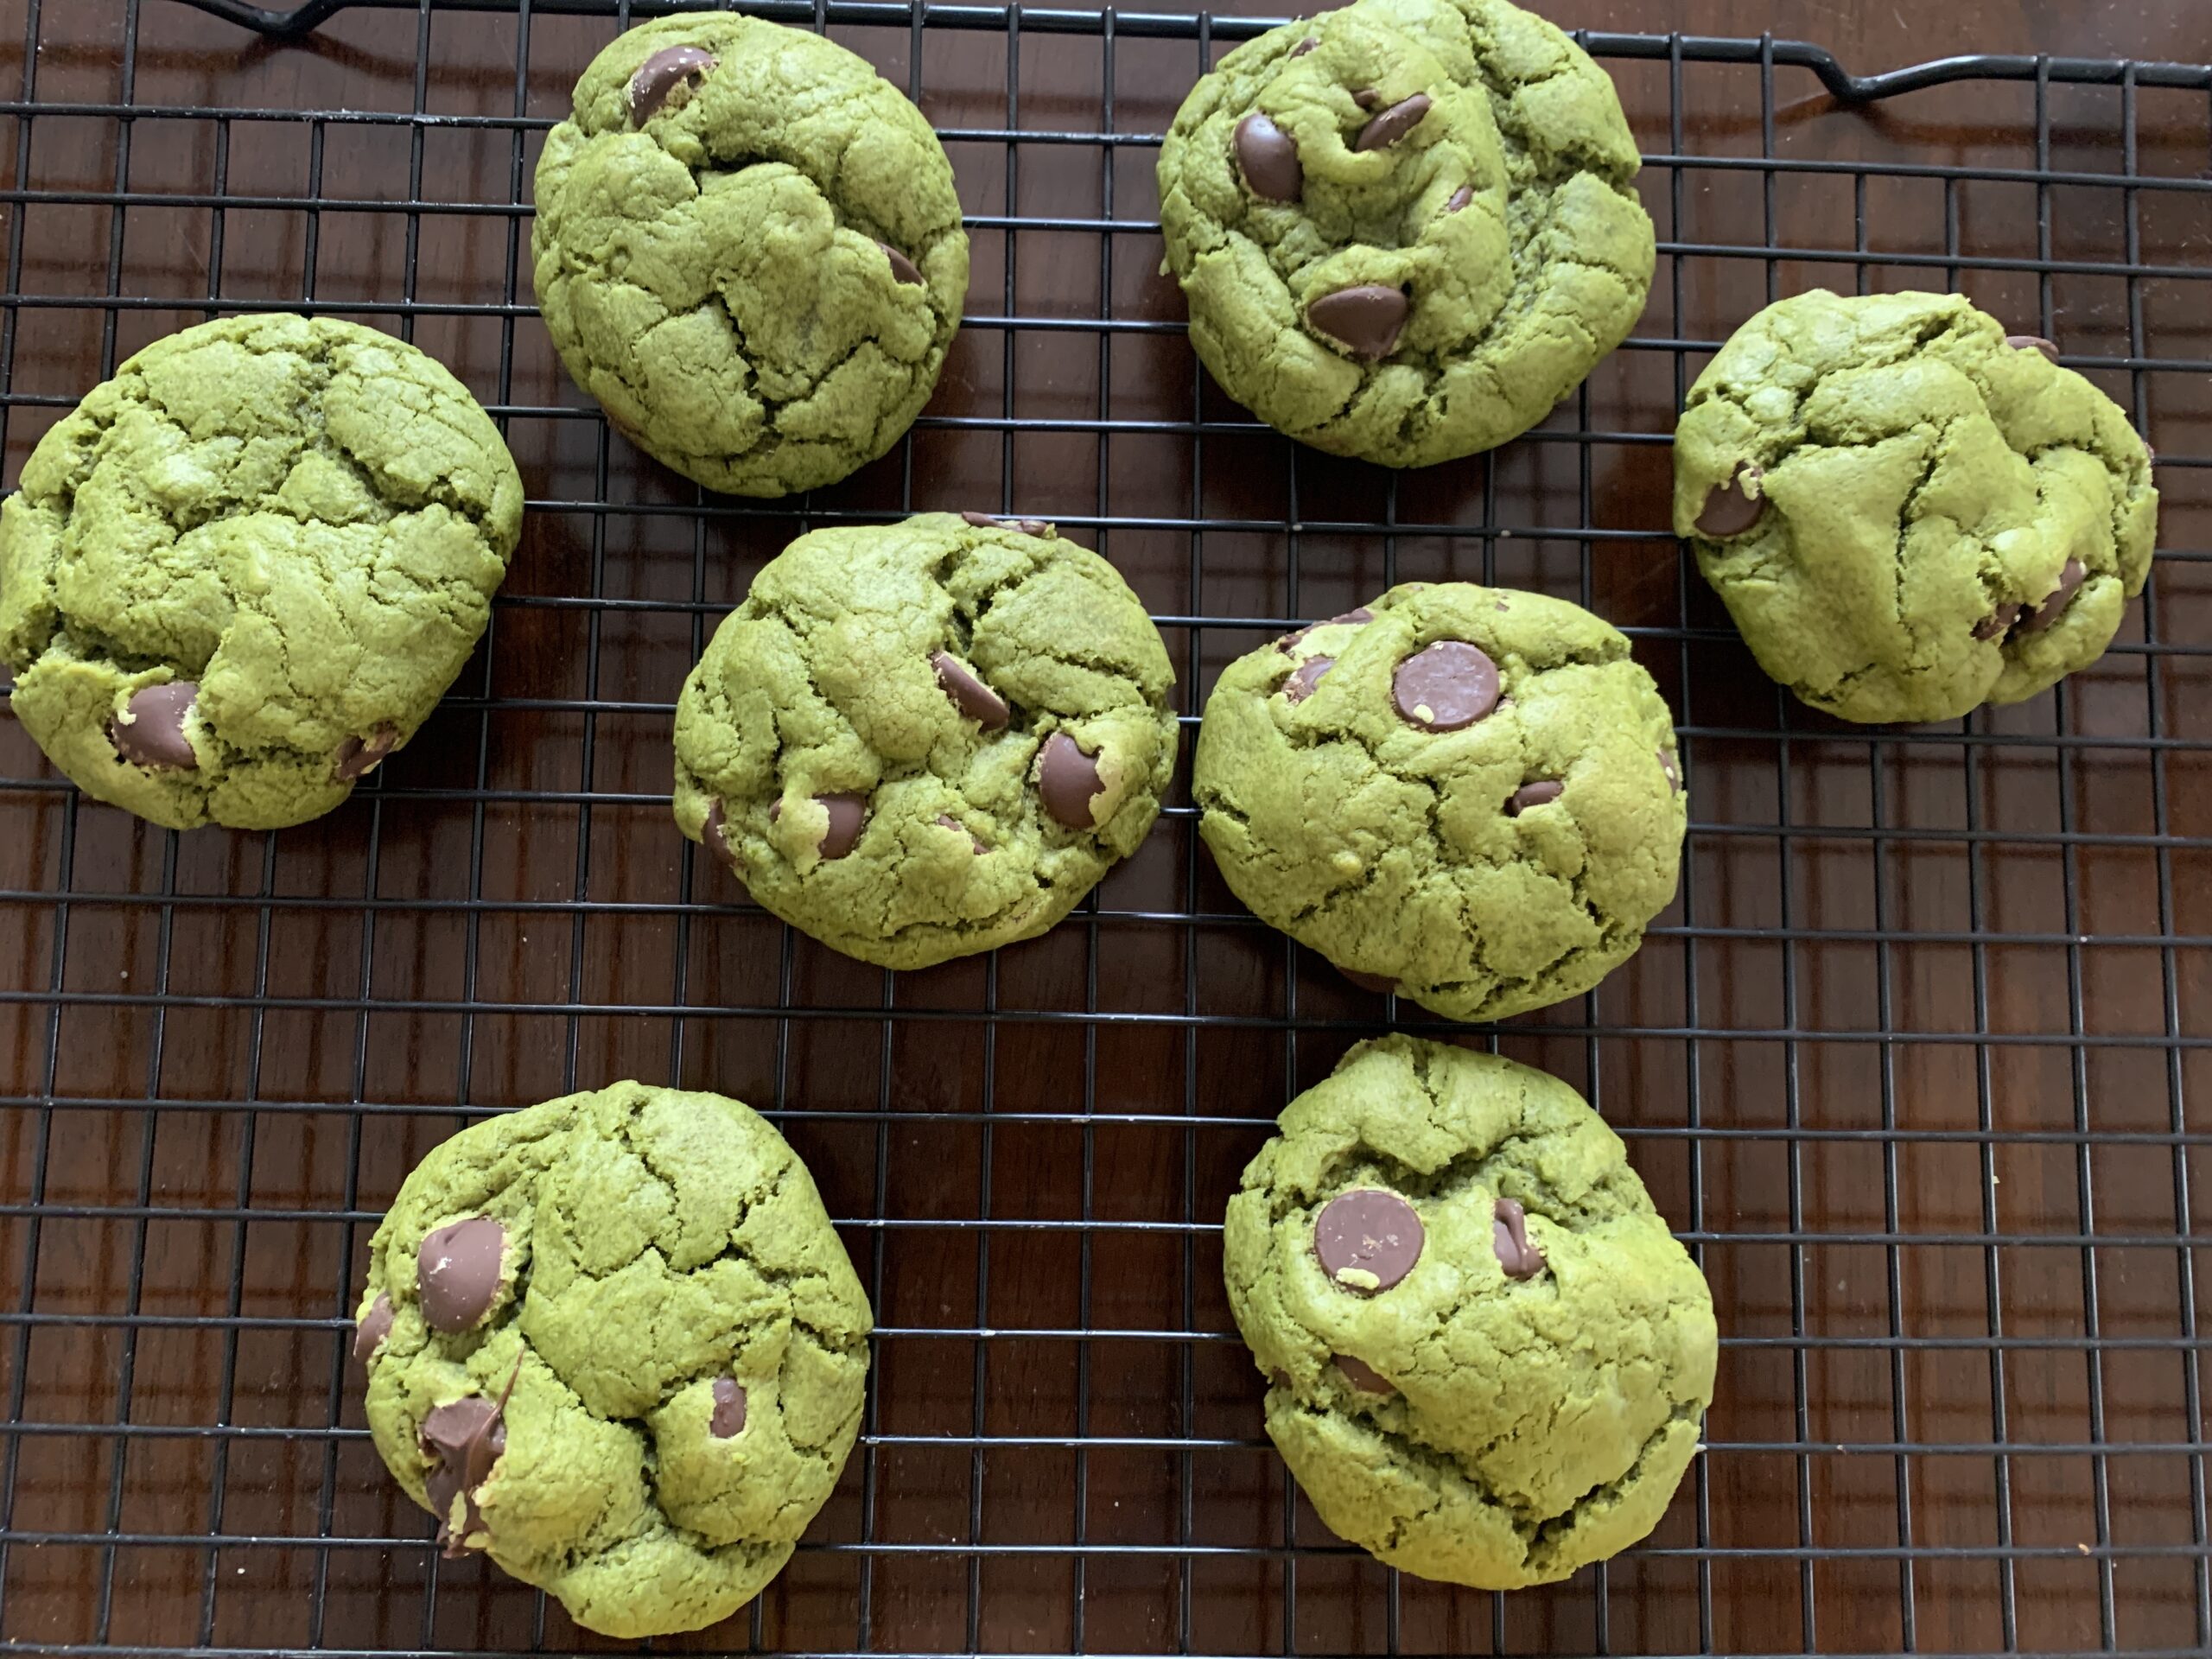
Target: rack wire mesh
{"type": "Point", "coordinates": [1907, 1061]}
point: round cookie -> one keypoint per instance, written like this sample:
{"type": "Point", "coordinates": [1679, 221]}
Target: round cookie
{"type": "Point", "coordinates": [1406, 229]}
{"type": "Point", "coordinates": [1488, 1356]}
{"type": "Point", "coordinates": [1469, 795]}
{"type": "Point", "coordinates": [1908, 512]}
{"type": "Point", "coordinates": [748, 248]}
{"type": "Point", "coordinates": [927, 738]}
{"type": "Point", "coordinates": [244, 571]}
{"type": "Point", "coordinates": [613, 1341]}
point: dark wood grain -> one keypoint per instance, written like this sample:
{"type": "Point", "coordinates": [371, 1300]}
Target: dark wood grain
{"type": "Point", "coordinates": [256, 1037]}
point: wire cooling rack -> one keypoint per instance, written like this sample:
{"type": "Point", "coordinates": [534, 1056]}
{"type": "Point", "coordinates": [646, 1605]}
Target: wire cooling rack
{"type": "Point", "coordinates": [1906, 1062]}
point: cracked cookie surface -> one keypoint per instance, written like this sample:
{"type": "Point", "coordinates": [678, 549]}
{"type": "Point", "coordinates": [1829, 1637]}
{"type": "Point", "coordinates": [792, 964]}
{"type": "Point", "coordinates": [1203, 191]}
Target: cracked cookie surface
{"type": "Point", "coordinates": [1468, 794]}
{"type": "Point", "coordinates": [245, 570]}
{"type": "Point", "coordinates": [1907, 512]}
{"type": "Point", "coordinates": [614, 1342]}
{"type": "Point", "coordinates": [1488, 1356]}
{"type": "Point", "coordinates": [748, 248]}
{"type": "Point", "coordinates": [1408, 228]}
{"type": "Point", "coordinates": [919, 741]}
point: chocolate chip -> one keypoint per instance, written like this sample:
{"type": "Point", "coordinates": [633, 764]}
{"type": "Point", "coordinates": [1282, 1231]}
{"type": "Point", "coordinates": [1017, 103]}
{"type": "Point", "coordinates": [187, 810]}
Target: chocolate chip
{"type": "Point", "coordinates": [1365, 320]}
{"type": "Point", "coordinates": [1393, 124]}
{"type": "Point", "coordinates": [716, 835]}
{"type": "Point", "coordinates": [946, 821]}
{"type": "Point", "coordinates": [1381, 984]}
{"type": "Point", "coordinates": [1508, 1235]}
{"type": "Point", "coordinates": [969, 695]}
{"type": "Point", "coordinates": [1308, 675]}
{"type": "Point", "coordinates": [1367, 1239]}
{"type": "Point", "coordinates": [1280, 1377]}
{"type": "Point", "coordinates": [357, 756]}
{"type": "Point", "coordinates": [457, 1272]}
{"type": "Point", "coordinates": [1267, 157]}
{"type": "Point", "coordinates": [1363, 1376]}
{"type": "Point", "coordinates": [658, 76]}
{"type": "Point", "coordinates": [1673, 772]}
{"type": "Point", "coordinates": [2033, 343]}
{"type": "Point", "coordinates": [1068, 779]}
{"type": "Point", "coordinates": [466, 1436]}
{"type": "Point", "coordinates": [1461, 198]}
{"type": "Point", "coordinates": [1367, 98]}
{"type": "Point", "coordinates": [1449, 685]}
{"type": "Point", "coordinates": [1998, 622]}
{"type": "Point", "coordinates": [154, 736]}
{"type": "Point", "coordinates": [1289, 641]}
{"type": "Point", "coordinates": [2036, 618]}
{"type": "Point", "coordinates": [375, 1326]}
{"type": "Point", "coordinates": [728, 1415]}
{"type": "Point", "coordinates": [847, 813]}
{"type": "Point", "coordinates": [1733, 509]}
{"type": "Point", "coordinates": [1304, 47]}
{"type": "Point", "coordinates": [1540, 793]}
{"type": "Point", "coordinates": [902, 268]}
{"type": "Point", "coordinates": [1026, 526]}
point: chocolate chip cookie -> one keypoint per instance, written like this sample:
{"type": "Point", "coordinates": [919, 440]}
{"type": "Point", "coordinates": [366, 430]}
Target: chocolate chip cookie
{"type": "Point", "coordinates": [1408, 228]}
{"type": "Point", "coordinates": [919, 740]}
{"type": "Point", "coordinates": [614, 1342]}
{"type": "Point", "coordinates": [1488, 1357]}
{"type": "Point", "coordinates": [1469, 795]}
{"type": "Point", "coordinates": [1908, 510]}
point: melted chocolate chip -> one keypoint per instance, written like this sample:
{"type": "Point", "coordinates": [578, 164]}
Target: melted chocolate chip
{"type": "Point", "coordinates": [1450, 685]}
{"type": "Point", "coordinates": [1733, 509]}
{"type": "Point", "coordinates": [375, 1326]}
{"type": "Point", "coordinates": [1509, 1233]}
{"type": "Point", "coordinates": [1067, 779]}
{"type": "Point", "coordinates": [153, 735]}
{"type": "Point", "coordinates": [847, 813]}
{"type": "Point", "coordinates": [1026, 526]}
{"type": "Point", "coordinates": [1363, 1376]}
{"type": "Point", "coordinates": [1998, 622]}
{"type": "Point", "coordinates": [969, 695]}
{"type": "Point", "coordinates": [2033, 343]}
{"type": "Point", "coordinates": [457, 1272]}
{"type": "Point", "coordinates": [1367, 98]}
{"type": "Point", "coordinates": [466, 1436]}
{"type": "Point", "coordinates": [1289, 641]}
{"type": "Point", "coordinates": [717, 834]}
{"type": "Point", "coordinates": [1267, 157]}
{"type": "Point", "coordinates": [1674, 772]}
{"type": "Point", "coordinates": [1461, 198]}
{"type": "Point", "coordinates": [357, 756]}
{"type": "Point", "coordinates": [1540, 793]}
{"type": "Point", "coordinates": [1365, 320]}
{"type": "Point", "coordinates": [2036, 618]}
{"type": "Point", "coordinates": [658, 77]}
{"type": "Point", "coordinates": [1278, 1377]}
{"type": "Point", "coordinates": [1381, 984]}
{"type": "Point", "coordinates": [1308, 675]}
{"type": "Point", "coordinates": [946, 821]}
{"type": "Point", "coordinates": [1368, 1240]}
{"type": "Point", "coordinates": [728, 1415]}
{"type": "Point", "coordinates": [1393, 124]}
{"type": "Point", "coordinates": [1304, 47]}
{"type": "Point", "coordinates": [902, 268]}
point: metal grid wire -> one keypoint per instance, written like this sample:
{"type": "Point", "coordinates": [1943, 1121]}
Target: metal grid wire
{"type": "Point", "coordinates": [1907, 1061]}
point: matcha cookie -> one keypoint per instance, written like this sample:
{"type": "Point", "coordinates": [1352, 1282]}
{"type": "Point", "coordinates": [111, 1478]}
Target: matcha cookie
{"type": "Point", "coordinates": [1406, 229]}
{"type": "Point", "coordinates": [246, 569]}
{"type": "Point", "coordinates": [614, 1342]}
{"type": "Point", "coordinates": [927, 738]}
{"type": "Point", "coordinates": [1488, 1355]}
{"type": "Point", "coordinates": [749, 249]}
{"type": "Point", "coordinates": [1465, 794]}
{"type": "Point", "coordinates": [1908, 512]}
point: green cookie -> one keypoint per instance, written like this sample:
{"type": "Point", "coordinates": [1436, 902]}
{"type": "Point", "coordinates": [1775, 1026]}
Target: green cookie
{"type": "Point", "coordinates": [1488, 1355]}
{"type": "Point", "coordinates": [246, 569]}
{"type": "Point", "coordinates": [1406, 229]}
{"type": "Point", "coordinates": [1467, 793]}
{"type": "Point", "coordinates": [614, 1344]}
{"type": "Point", "coordinates": [749, 249]}
{"type": "Point", "coordinates": [927, 738]}
{"type": "Point", "coordinates": [1907, 512]}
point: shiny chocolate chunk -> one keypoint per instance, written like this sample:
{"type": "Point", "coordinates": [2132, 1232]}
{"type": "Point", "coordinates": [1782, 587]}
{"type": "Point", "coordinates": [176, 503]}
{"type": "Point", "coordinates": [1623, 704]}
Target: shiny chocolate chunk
{"type": "Point", "coordinates": [1449, 685]}
{"type": "Point", "coordinates": [1393, 124]}
{"type": "Point", "coordinates": [1364, 320]}
{"type": "Point", "coordinates": [658, 77]}
{"type": "Point", "coordinates": [1460, 198]}
{"type": "Point", "coordinates": [1267, 157]}
{"type": "Point", "coordinates": [1381, 984]}
{"type": "Point", "coordinates": [1367, 98]}
{"type": "Point", "coordinates": [946, 821]}
{"type": "Point", "coordinates": [375, 1326]}
{"type": "Point", "coordinates": [1508, 1231]}
{"type": "Point", "coordinates": [359, 756]}
{"type": "Point", "coordinates": [154, 733]}
{"type": "Point", "coordinates": [1367, 1239]}
{"type": "Point", "coordinates": [1543, 792]}
{"type": "Point", "coordinates": [728, 1415]}
{"type": "Point", "coordinates": [1067, 779]}
{"type": "Point", "coordinates": [717, 834]}
{"type": "Point", "coordinates": [2036, 618]}
{"type": "Point", "coordinates": [1308, 675]}
{"type": "Point", "coordinates": [1289, 641]}
{"type": "Point", "coordinates": [902, 268]}
{"type": "Point", "coordinates": [1278, 1377]}
{"type": "Point", "coordinates": [457, 1272]}
{"type": "Point", "coordinates": [1674, 772]}
{"type": "Point", "coordinates": [847, 813]}
{"type": "Point", "coordinates": [1026, 526]}
{"type": "Point", "coordinates": [1363, 1376]}
{"type": "Point", "coordinates": [465, 1437]}
{"type": "Point", "coordinates": [969, 695]}
{"type": "Point", "coordinates": [1998, 622]}
{"type": "Point", "coordinates": [2033, 343]}
{"type": "Point", "coordinates": [1733, 509]}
